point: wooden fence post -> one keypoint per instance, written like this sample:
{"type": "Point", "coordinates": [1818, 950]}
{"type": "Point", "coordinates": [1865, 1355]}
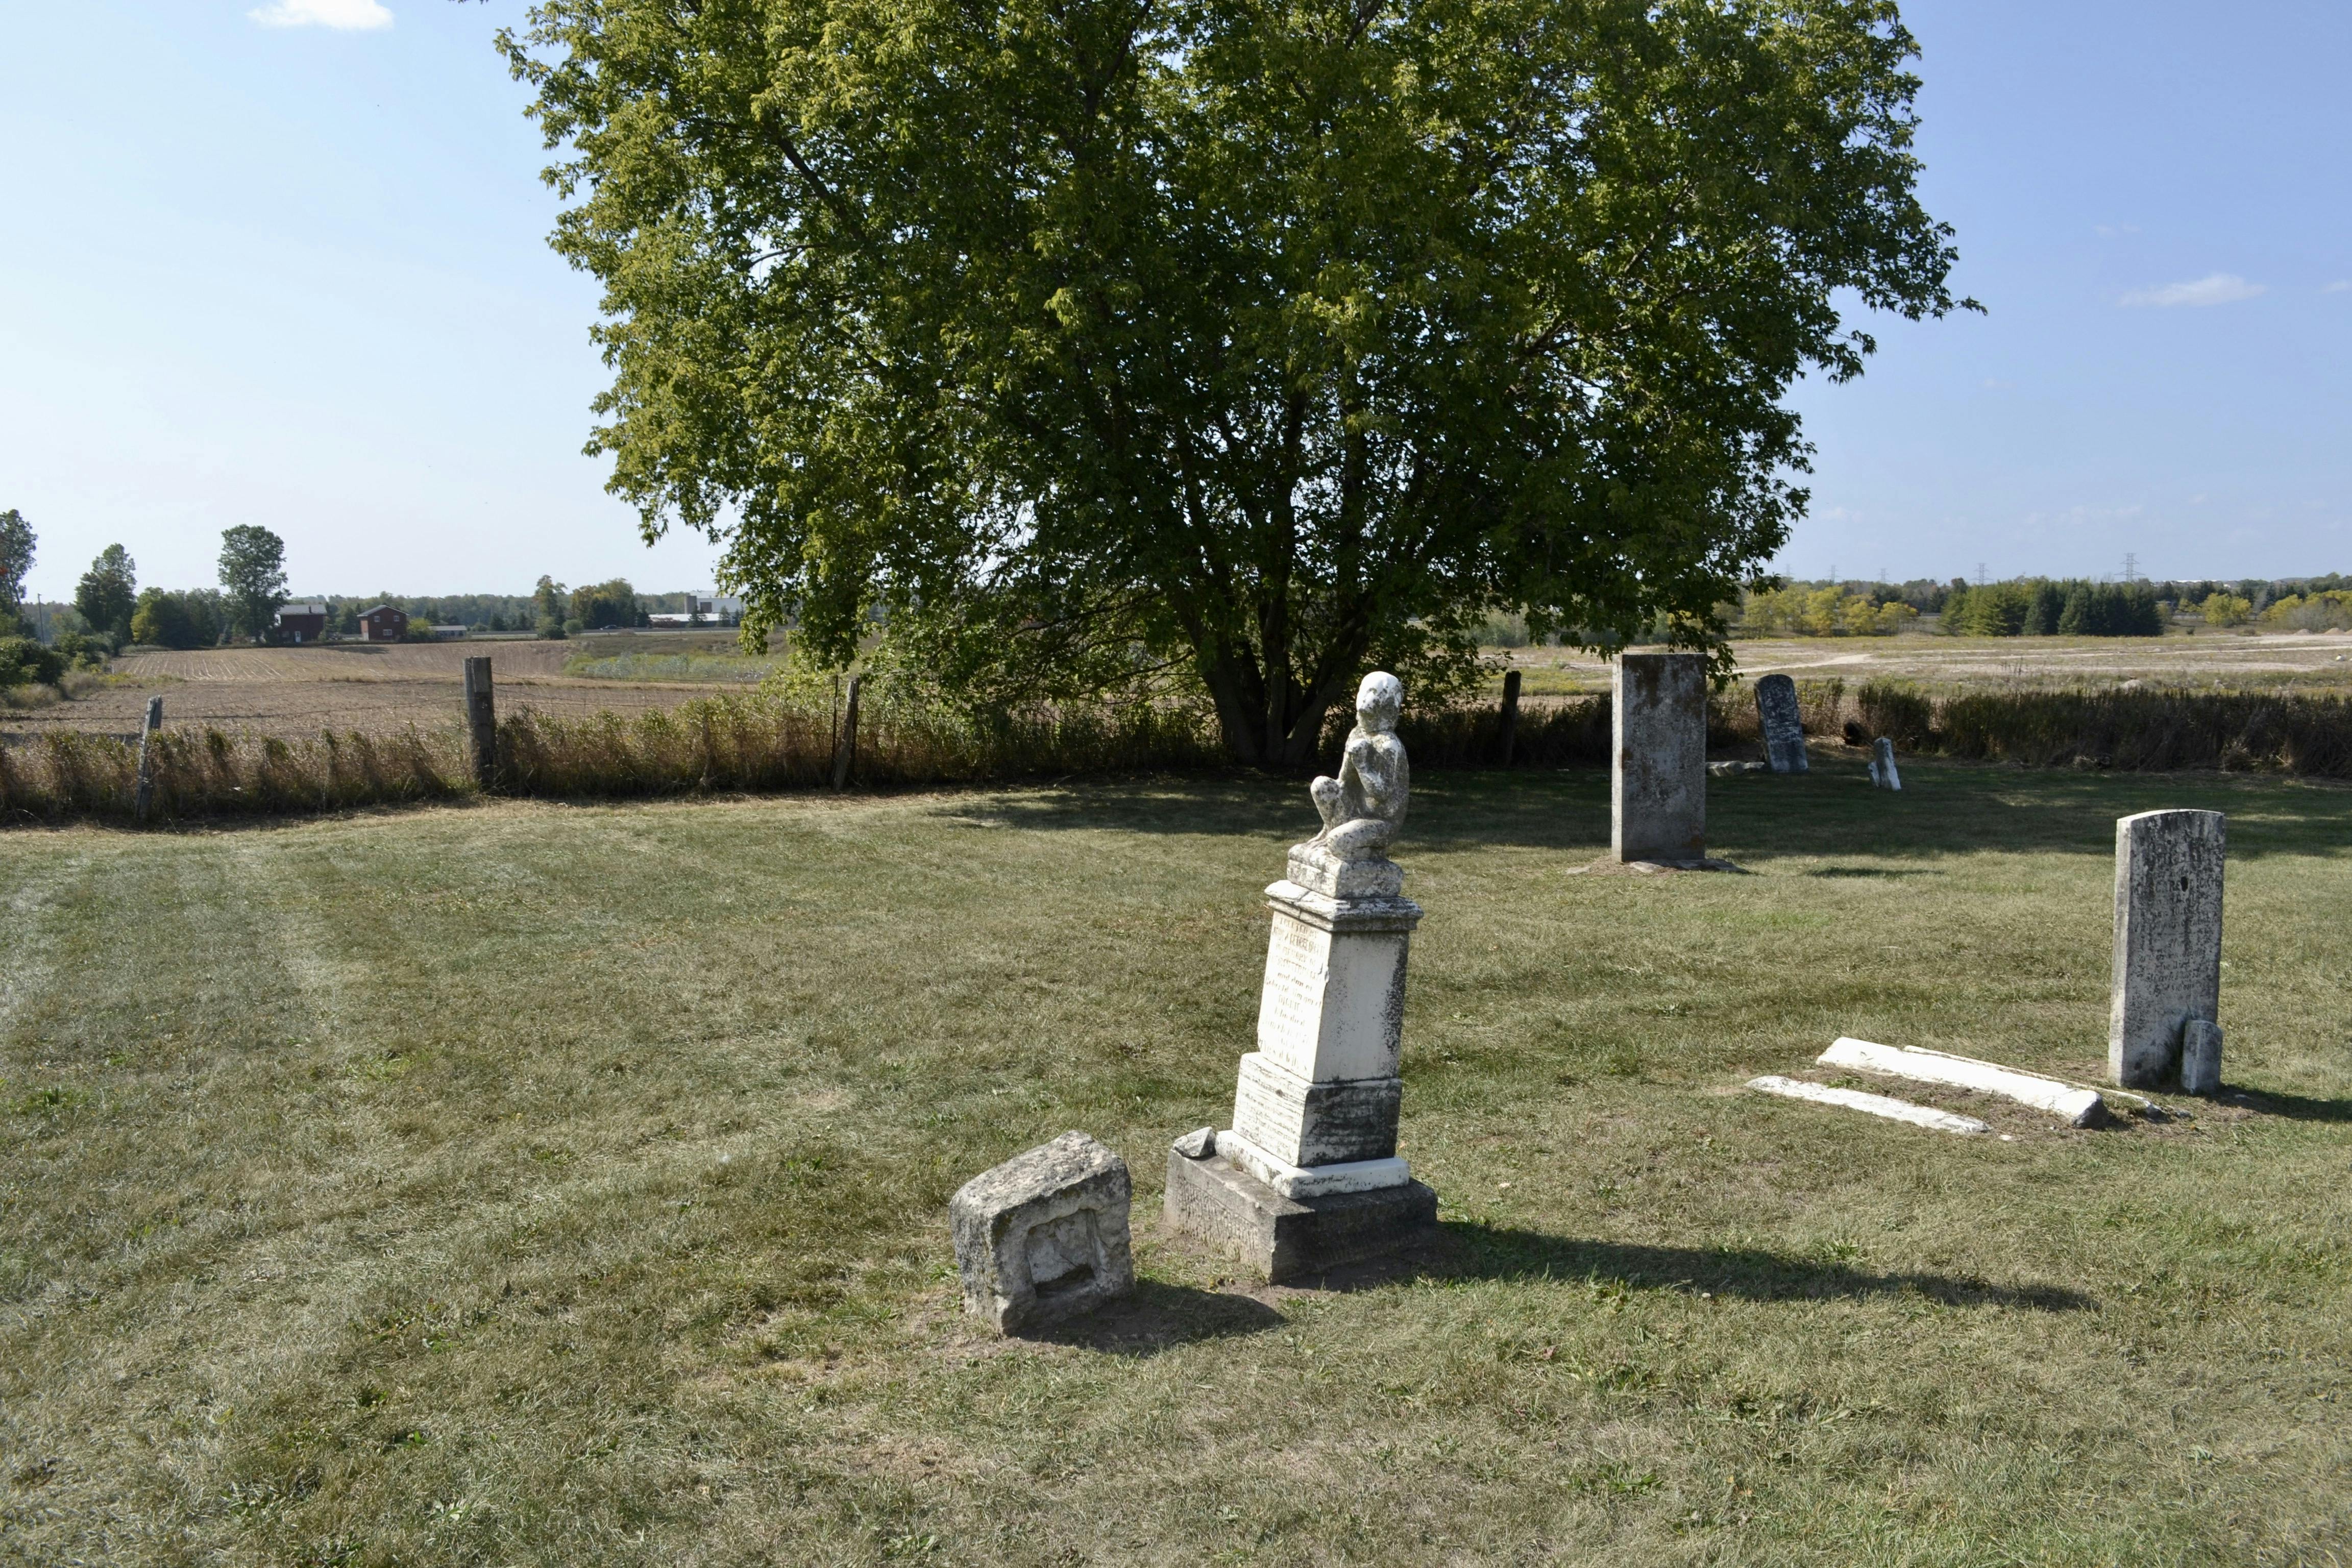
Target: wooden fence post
{"type": "Point", "coordinates": [145, 798]}
{"type": "Point", "coordinates": [1510, 719]}
{"type": "Point", "coordinates": [482, 723]}
{"type": "Point", "coordinates": [845, 754]}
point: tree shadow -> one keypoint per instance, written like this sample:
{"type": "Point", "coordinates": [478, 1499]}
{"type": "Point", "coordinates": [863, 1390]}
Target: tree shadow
{"type": "Point", "coordinates": [1946, 807]}
{"type": "Point", "coordinates": [1156, 1316]}
{"type": "Point", "coordinates": [1468, 1250]}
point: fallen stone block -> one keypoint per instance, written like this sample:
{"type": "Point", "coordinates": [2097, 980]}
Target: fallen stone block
{"type": "Point", "coordinates": [1043, 1237]}
{"type": "Point", "coordinates": [2080, 1107]}
{"type": "Point", "coordinates": [1892, 1110]}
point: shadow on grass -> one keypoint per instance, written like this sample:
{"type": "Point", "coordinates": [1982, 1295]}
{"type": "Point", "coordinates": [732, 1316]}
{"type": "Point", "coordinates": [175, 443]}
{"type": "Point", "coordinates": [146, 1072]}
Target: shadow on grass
{"type": "Point", "coordinates": [2293, 1107]}
{"type": "Point", "coordinates": [1158, 1317]}
{"type": "Point", "coordinates": [1471, 1251]}
{"type": "Point", "coordinates": [1946, 808]}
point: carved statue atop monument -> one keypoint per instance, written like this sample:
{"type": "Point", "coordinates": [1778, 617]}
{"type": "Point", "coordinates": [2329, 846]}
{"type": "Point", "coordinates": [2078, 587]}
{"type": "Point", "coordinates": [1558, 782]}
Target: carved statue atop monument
{"type": "Point", "coordinates": [1364, 807]}
{"type": "Point", "coordinates": [1309, 1176]}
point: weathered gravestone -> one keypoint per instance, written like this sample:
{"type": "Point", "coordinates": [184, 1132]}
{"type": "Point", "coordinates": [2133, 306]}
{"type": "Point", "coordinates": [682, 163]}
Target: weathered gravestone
{"type": "Point", "coordinates": [1307, 1178]}
{"type": "Point", "coordinates": [1882, 775]}
{"type": "Point", "coordinates": [2167, 959]}
{"type": "Point", "coordinates": [1658, 767]}
{"type": "Point", "coordinates": [1784, 728]}
{"type": "Point", "coordinates": [1043, 1237]}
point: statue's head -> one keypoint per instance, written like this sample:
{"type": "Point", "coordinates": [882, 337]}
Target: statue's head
{"type": "Point", "coordinates": [1379, 701]}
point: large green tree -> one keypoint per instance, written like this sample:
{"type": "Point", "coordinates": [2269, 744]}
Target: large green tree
{"type": "Point", "coordinates": [253, 576]}
{"type": "Point", "coordinates": [1261, 338]}
{"type": "Point", "coordinates": [15, 560]}
{"type": "Point", "coordinates": [108, 593]}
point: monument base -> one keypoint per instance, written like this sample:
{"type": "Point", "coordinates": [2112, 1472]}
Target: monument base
{"type": "Point", "coordinates": [1282, 1239]}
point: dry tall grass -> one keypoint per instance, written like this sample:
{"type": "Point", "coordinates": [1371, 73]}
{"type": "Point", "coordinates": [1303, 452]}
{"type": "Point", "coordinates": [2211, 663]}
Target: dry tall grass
{"type": "Point", "coordinates": [2140, 729]}
{"type": "Point", "coordinates": [727, 742]}
{"type": "Point", "coordinates": [755, 742]}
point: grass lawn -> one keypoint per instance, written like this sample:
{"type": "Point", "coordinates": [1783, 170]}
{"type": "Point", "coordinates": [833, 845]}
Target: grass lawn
{"type": "Point", "coordinates": [528, 1184]}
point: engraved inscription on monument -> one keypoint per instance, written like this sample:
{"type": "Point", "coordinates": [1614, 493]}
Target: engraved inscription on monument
{"type": "Point", "coordinates": [1290, 1008]}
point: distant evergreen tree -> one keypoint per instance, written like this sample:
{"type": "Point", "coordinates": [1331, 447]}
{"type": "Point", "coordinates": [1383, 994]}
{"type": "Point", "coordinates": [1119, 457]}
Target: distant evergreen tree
{"type": "Point", "coordinates": [2041, 613]}
{"type": "Point", "coordinates": [2074, 619]}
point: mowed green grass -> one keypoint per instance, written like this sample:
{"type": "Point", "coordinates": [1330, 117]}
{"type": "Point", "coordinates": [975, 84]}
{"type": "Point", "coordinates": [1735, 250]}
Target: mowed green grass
{"type": "Point", "coordinates": [540, 1185]}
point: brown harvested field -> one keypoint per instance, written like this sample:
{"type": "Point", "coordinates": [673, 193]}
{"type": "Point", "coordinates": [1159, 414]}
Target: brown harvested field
{"type": "Point", "coordinates": [291, 693]}
{"type": "Point", "coordinates": [2317, 661]}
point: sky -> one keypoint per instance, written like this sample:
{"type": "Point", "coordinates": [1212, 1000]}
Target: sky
{"type": "Point", "coordinates": [284, 261]}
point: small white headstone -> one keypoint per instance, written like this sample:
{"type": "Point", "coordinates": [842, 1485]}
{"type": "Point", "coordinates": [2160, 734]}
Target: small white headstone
{"type": "Point", "coordinates": [1882, 765]}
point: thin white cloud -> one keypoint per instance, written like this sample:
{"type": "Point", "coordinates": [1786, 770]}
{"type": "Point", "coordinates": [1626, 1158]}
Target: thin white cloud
{"type": "Point", "coordinates": [2341, 285]}
{"type": "Point", "coordinates": [343, 15]}
{"type": "Point", "coordinates": [2217, 288]}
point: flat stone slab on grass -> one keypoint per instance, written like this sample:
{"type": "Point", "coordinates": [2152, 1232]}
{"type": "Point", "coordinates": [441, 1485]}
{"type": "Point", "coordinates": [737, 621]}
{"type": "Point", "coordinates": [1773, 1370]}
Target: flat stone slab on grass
{"type": "Point", "coordinates": [1881, 1105]}
{"type": "Point", "coordinates": [2080, 1107]}
{"type": "Point", "coordinates": [1043, 1237]}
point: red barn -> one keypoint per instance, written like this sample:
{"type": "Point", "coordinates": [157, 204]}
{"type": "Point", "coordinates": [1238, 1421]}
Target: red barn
{"type": "Point", "coordinates": [383, 623]}
{"type": "Point", "coordinates": [300, 624]}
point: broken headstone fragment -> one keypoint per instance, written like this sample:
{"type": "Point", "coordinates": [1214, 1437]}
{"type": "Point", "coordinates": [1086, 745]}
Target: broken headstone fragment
{"type": "Point", "coordinates": [1043, 1237]}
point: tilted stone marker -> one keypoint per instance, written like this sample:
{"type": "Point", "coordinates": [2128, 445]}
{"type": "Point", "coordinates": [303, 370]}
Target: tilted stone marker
{"type": "Point", "coordinates": [1784, 728]}
{"type": "Point", "coordinates": [2168, 961]}
{"type": "Point", "coordinates": [1309, 1178]}
{"type": "Point", "coordinates": [1882, 765]}
{"type": "Point", "coordinates": [1657, 766]}
{"type": "Point", "coordinates": [1043, 1237]}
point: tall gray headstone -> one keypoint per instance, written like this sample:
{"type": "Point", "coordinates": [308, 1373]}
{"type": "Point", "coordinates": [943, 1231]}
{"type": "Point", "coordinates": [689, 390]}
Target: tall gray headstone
{"type": "Point", "coordinates": [1784, 728]}
{"type": "Point", "coordinates": [1308, 1176]}
{"type": "Point", "coordinates": [2168, 961]}
{"type": "Point", "coordinates": [1657, 769]}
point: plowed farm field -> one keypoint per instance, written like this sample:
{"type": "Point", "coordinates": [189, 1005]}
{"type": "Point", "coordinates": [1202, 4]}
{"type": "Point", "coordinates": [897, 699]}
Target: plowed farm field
{"type": "Point", "coordinates": [341, 687]}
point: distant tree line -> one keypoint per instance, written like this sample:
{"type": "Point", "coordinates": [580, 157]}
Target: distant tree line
{"type": "Point", "coordinates": [2039, 607]}
{"type": "Point", "coordinates": [2043, 606]}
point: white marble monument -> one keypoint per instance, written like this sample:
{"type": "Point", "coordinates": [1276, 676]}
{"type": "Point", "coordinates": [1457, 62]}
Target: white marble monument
{"type": "Point", "coordinates": [1308, 1176]}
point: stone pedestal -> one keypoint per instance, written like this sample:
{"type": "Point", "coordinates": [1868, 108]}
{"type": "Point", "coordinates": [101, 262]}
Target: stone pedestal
{"type": "Point", "coordinates": [1308, 1176]}
{"type": "Point", "coordinates": [1043, 1237]}
{"type": "Point", "coordinates": [1783, 726]}
{"type": "Point", "coordinates": [1658, 767]}
{"type": "Point", "coordinates": [2167, 959]}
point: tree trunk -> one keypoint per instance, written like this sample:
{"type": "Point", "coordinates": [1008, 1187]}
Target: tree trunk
{"type": "Point", "coordinates": [1266, 722]}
